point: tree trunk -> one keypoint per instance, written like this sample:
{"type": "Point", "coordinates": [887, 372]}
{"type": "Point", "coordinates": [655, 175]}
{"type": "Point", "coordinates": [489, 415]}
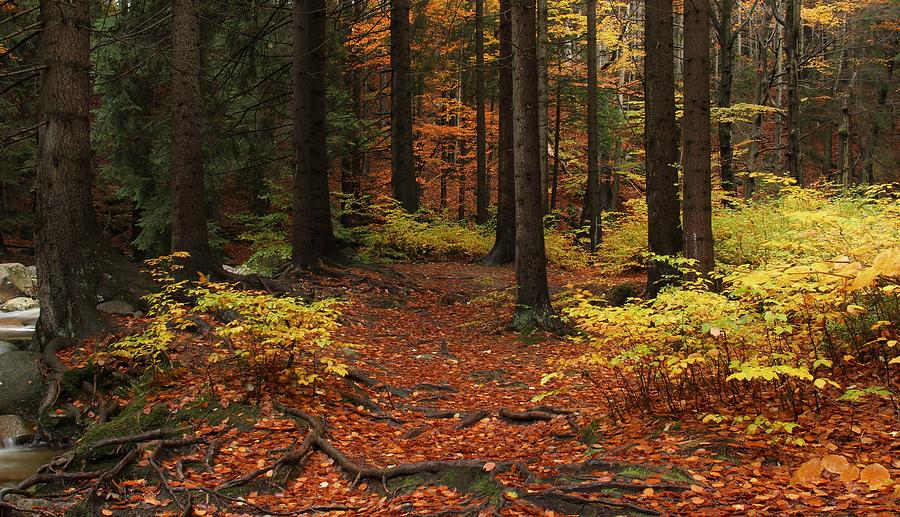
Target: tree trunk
{"type": "Point", "coordinates": [482, 192]}
{"type": "Point", "coordinates": [881, 119]}
{"type": "Point", "coordinates": [759, 89]}
{"type": "Point", "coordinates": [313, 234]}
{"type": "Point", "coordinates": [504, 250]}
{"type": "Point", "coordinates": [189, 212]}
{"type": "Point", "coordinates": [403, 176]}
{"type": "Point", "coordinates": [844, 136]}
{"type": "Point", "coordinates": [723, 98]}
{"type": "Point", "coordinates": [557, 131]}
{"type": "Point", "coordinates": [663, 207]}
{"type": "Point", "coordinates": [543, 97]}
{"type": "Point", "coordinates": [592, 198]}
{"type": "Point", "coordinates": [698, 238]}
{"type": "Point", "coordinates": [74, 265]}
{"type": "Point", "coordinates": [533, 307]}
{"type": "Point", "coordinates": [792, 51]}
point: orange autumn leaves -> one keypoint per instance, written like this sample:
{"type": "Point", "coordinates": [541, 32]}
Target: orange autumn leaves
{"type": "Point", "coordinates": [874, 475]}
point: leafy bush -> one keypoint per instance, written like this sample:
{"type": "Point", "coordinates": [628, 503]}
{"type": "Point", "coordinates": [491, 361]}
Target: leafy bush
{"type": "Point", "coordinates": [267, 340]}
{"type": "Point", "coordinates": [822, 289]}
{"type": "Point", "coordinates": [624, 246]}
{"type": "Point", "coordinates": [268, 237]}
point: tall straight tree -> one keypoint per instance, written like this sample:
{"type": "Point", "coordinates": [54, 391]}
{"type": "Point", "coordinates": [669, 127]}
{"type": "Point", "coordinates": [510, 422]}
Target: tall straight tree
{"type": "Point", "coordinates": [791, 23]}
{"type": "Point", "coordinates": [722, 22]}
{"type": "Point", "coordinates": [543, 42]}
{"type": "Point", "coordinates": [698, 238]}
{"type": "Point", "coordinates": [504, 250]}
{"type": "Point", "coordinates": [533, 307]}
{"type": "Point", "coordinates": [663, 207]}
{"type": "Point", "coordinates": [189, 231]}
{"type": "Point", "coordinates": [592, 199]}
{"type": "Point", "coordinates": [74, 266]}
{"type": "Point", "coordinates": [313, 235]}
{"type": "Point", "coordinates": [482, 192]}
{"type": "Point", "coordinates": [403, 175]}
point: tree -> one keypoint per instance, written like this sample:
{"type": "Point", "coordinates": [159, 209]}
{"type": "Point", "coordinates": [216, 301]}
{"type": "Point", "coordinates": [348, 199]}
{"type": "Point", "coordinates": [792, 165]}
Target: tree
{"type": "Point", "coordinates": [791, 42]}
{"type": "Point", "coordinates": [533, 307]}
{"type": "Point", "coordinates": [504, 249]}
{"type": "Point", "coordinates": [663, 208]}
{"type": "Point", "coordinates": [74, 266]}
{"type": "Point", "coordinates": [698, 238]}
{"type": "Point", "coordinates": [313, 235]}
{"type": "Point", "coordinates": [482, 189]}
{"type": "Point", "coordinates": [592, 206]}
{"type": "Point", "coordinates": [542, 43]}
{"type": "Point", "coordinates": [403, 175]}
{"type": "Point", "coordinates": [189, 228]}
{"type": "Point", "coordinates": [722, 22]}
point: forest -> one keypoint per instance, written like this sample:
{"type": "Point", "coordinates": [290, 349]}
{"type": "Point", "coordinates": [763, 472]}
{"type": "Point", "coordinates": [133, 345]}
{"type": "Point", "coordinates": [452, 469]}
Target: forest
{"type": "Point", "coordinates": [449, 257]}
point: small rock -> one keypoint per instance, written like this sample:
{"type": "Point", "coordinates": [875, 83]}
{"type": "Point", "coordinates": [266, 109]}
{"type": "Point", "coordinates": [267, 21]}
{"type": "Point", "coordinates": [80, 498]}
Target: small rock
{"type": "Point", "coordinates": [15, 280]}
{"type": "Point", "coordinates": [14, 430]}
{"type": "Point", "coordinates": [116, 307]}
{"type": "Point", "coordinates": [20, 303]}
{"type": "Point", "coordinates": [7, 347]}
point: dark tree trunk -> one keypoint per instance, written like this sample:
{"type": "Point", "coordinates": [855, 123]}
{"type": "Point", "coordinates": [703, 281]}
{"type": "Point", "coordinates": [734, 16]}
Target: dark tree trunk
{"type": "Point", "coordinates": [663, 207]}
{"type": "Point", "coordinates": [482, 192]}
{"type": "Point", "coordinates": [189, 211]}
{"type": "Point", "coordinates": [504, 250]}
{"type": "Point", "coordinates": [725, 34]}
{"type": "Point", "coordinates": [403, 176]}
{"type": "Point", "coordinates": [313, 234]}
{"type": "Point", "coordinates": [698, 238]}
{"type": "Point", "coordinates": [532, 293]}
{"type": "Point", "coordinates": [592, 198]}
{"type": "Point", "coordinates": [557, 130]}
{"type": "Point", "coordinates": [792, 58]}
{"type": "Point", "coordinates": [74, 265]}
{"type": "Point", "coordinates": [542, 43]}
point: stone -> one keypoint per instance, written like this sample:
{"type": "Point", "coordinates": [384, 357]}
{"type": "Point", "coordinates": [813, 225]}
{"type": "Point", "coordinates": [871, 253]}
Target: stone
{"type": "Point", "coordinates": [116, 307]}
{"type": "Point", "coordinates": [7, 347]}
{"type": "Point", "coordinates": [14, 430]}
{"type": "Point", "coordinates": [15, 280]}
{"type": "Point", "coordinates": [21, 303]}
{"type": "Point", "coordinates": [21, 383]}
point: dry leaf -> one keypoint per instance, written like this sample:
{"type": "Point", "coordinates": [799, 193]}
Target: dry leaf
{"type": "Point", "coordinates": [875, 475]}
{"type": "Point", "coordinates": [489, 466]}
{"type": "Point", "coordinates": [851, 474]}
{"type": "Point", "coordinates": [808, 472]}
{"type": "Point", "coordinates": [649, 492]}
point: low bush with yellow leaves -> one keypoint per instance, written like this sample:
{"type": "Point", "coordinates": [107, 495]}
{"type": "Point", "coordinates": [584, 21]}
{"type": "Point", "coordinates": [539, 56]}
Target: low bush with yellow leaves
{"type": "Point", "coordinates": [266, 340]}
{"type": "Point", "coordinates": [818, 288]}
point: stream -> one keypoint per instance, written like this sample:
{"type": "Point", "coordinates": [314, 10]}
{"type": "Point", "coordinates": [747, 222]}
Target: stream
{"type": "Point", "coordinates": [18, 462]}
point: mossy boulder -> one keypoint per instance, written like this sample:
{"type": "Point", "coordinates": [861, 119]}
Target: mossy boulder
{"type": "Point", "coordinates": [21, 383]}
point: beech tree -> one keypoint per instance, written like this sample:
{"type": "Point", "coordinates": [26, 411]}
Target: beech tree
{"type": "Point", "coordinates": [403, 175]}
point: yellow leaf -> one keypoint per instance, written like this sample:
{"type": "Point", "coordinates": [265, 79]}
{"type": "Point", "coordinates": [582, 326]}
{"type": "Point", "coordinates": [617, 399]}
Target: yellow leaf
{"type": "Point", "coordinates": [808, 472]}
{"type": "Point", "coordinates": [835, 463]}
{"type": "Point", "coordinates": [875, 475]}
{"type": "Point", "coordinates": [851, 474]}
{"type": "Point", "coordinates": [895, 360]}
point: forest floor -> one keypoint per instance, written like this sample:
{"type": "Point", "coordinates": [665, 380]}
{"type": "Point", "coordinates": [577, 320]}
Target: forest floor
{"type": "Point", "coordinates": [439, 387]}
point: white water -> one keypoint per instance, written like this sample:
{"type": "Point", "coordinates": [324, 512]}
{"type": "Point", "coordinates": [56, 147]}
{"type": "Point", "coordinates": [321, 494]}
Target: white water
{"type": "Point", "coordinates": [18, 324]}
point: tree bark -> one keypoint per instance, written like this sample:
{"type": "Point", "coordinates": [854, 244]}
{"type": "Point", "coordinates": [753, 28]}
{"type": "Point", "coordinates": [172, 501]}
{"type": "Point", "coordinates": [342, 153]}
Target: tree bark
{"type": "Point", "coordinates": [663, 207]}
{"type": "Point", "coordinates": [504, 249]}
{"type": "Point", "coordinates": [543, 97]}
{"type": "Point", "coordinates": [403, 176]}
{"type": "Point", "coordinates": [189, 211]}
{"type": "Point", "coordinates": [74, 265]}
{"type": "Point", "coordinates": [482, 192]}
{"type": "Point", "coordinates": [592, 199]}
{"type": "Point", "coordinates": [723, 98]}
{"type": "Point", "coordinates": [533, 307]}
{"type": "Point", "coordinates": [698, 238]}
{"type": "Point", "coordinates": [792, 52]}
{"type": "Point", "coordinates": [557, 133]}
{"type": "Point", "coordinates": [313, 233]}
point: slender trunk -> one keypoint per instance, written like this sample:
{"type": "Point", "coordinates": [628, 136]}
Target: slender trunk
{"type": "Point", "coordinates": [663, 207]}
{"type": "Point", "coordinates": [759, 89]}
{"type": "Point", "coordinates": [844, 136]}
{"type": "Point", "coordinates": [792, 52]}
{"type": "Point", "coordinates": [557, 131]}
{"type": "Point", "coordinates": [779, 88]}
{"type": "Point", "coordinates": [723, 98]}
{"type": "Point", "coordinates": [504, 248]}
{"type": "Point", "coordinates": [698, 238]}
{"type": "Point", "coordinates": [482, 192]}
{"type": "Point", "coordinates": [881, 121]}
{"type": "Point", "coordinates": [403, 176]}
{"type": "Point", "coordinates": [532, 293]}
{"type": "Point", "coordinates": [189, 230]}
{"type": "Point", "coordinates": [543, 96]}
{"type": "Point", "coordinates": [592, 198]}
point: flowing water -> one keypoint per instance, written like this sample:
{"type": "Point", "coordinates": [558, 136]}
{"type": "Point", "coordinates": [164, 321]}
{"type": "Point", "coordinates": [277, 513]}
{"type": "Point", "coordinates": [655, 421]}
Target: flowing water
{"type": "Point", "coordinates": [16, 462]}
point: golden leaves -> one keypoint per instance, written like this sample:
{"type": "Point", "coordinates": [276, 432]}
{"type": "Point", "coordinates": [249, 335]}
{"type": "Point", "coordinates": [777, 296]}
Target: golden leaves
{"type": "Point", "coordinates": [874, 475]}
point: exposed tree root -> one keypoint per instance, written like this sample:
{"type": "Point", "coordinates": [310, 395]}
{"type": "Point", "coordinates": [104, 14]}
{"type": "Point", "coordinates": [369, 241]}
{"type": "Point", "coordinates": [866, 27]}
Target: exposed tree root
{"type": "Point", "coordinates": [574, 504]}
